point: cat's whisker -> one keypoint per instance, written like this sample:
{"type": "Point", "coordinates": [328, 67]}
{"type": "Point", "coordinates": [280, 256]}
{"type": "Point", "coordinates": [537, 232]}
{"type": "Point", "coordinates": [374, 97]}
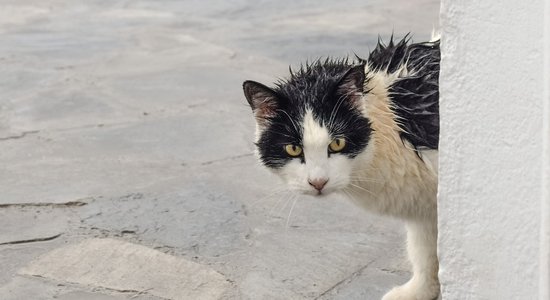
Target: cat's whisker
{"type": "Point", "coordinates": [359, 176]}
{"type": "Point", "coordinates": [362, 188]}
{"type": "Point", "coordinates": [280, 133]}
{"type": "Point", "coordinates": [363, 171]}
{"type": "Point", "coordinates": [337, 107]}
{"type": "Point", "coordinates": [276, 192]}
{"type": "Point", "coordinates": [290, 212]}
{"type": "Point", "coordinates": [364, 179]}
{"type": "Point", "coordinates": [370, 176]}
{"type": "Point", "coordinates": [335, 110]}
{"type": "Point", "coordinates": [277, 204]}
{"type": "Point", "coordinates": [353, 195]}
{"type": "Point", "coordinates": [348, 194]}
{"type": "Point", "coordinates": [290, 119]}
{"type": "Point", "coordinates": [365, 175]}
{"type": "Point", "coordinates": [288, 200]}
{"type": "Point", "coordinates": [362, 174]}
{"type": "Point", "coordinates": [280, 191]}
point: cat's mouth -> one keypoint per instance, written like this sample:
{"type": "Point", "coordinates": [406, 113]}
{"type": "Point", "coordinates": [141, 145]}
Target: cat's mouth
{"type": "Point", "coordinates": [310, 191]}
{"type": "Point", "coordinates": [321, 193]}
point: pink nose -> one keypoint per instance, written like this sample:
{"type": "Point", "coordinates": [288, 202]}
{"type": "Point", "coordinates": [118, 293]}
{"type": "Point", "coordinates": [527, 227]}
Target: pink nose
{"type": "Point", "coordinates": [318, 183]}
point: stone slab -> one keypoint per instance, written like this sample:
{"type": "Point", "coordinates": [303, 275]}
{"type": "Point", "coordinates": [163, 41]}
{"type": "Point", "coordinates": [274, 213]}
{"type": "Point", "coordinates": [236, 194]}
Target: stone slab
{"type": "Point", "coordinates": [35, 288]}
{"type": "Point", "coordinates": [31, 224]}
{"type": "Point", "coordinates": [80, 295]}
{"type": "Point", "coordinates": [21, 288]}
{"type": "Point", "coordinates": [16, 256]}
{"type": "Point", "coordinates": [123, 266]}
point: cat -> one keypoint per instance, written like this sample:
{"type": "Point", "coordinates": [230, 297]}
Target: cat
{"type": "Point", "coordinates": [368, 128]}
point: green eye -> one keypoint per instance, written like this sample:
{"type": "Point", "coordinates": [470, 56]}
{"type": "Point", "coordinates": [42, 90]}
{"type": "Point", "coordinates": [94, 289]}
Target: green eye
{"type": "Point", "coordinates": [337, 144]}
{"type": "Point", "coordinates": [293, 150]}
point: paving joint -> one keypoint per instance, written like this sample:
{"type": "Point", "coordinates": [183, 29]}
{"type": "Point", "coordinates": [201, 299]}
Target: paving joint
{"type": "Point", "coordinates": [35, 240]}
{"type": "Point", "coordinates": [19, 136]}
{"type": "Point", "coordinates": [75, 203]}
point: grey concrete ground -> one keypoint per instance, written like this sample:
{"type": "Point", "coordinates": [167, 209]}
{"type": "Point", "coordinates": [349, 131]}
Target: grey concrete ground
{"type": "Point", "coordinates": [126, 164]}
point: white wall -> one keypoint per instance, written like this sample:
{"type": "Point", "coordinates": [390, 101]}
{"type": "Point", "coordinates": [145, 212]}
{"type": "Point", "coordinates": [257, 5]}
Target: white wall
{"type": "Point", "coordinates": [544, 279]}
{"type": "Point", "coordinates": [494, 195]}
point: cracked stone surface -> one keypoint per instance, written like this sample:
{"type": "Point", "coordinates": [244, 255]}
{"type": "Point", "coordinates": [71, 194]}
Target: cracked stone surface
{"type": "Point", "coordinates": [124, 121]}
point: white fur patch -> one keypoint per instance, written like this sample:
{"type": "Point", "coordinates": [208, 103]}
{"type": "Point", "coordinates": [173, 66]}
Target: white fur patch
{"type": "Point", "coordinates": [317, 164]}
{"type": "Point", "coordinates": [316, 139]}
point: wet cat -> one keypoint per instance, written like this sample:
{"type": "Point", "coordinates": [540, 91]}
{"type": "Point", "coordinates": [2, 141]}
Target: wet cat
{"type": "Point", "coordinates": [369, 128]}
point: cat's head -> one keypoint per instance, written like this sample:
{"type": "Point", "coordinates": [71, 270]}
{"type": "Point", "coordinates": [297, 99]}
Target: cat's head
{"type": "Point", "coordinates": [311, 129]}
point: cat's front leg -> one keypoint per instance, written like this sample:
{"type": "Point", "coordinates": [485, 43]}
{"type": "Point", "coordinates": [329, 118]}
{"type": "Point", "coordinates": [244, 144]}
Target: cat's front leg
{"type": "Point", "coordinates": [422, 250]}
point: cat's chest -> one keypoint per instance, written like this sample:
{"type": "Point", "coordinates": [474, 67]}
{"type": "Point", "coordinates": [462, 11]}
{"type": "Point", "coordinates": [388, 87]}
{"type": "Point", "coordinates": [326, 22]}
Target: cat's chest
{"type": "Point", "coordinates": [403, 186]}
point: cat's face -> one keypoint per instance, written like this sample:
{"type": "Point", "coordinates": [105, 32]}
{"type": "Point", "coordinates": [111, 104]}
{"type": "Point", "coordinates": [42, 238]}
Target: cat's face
{"type": "Point", "coordinates": [311, 129]}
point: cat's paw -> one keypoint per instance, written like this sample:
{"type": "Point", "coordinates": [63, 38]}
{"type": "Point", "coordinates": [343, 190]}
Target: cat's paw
{"type": "Point", "coordinates": [413, 291]}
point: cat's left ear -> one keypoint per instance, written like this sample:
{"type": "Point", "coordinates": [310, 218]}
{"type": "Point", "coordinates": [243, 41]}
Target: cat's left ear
{"type": "Point", "coordinates": [351, 84]}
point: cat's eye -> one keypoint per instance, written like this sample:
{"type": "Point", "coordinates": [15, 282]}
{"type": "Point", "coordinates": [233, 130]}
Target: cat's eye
{"type": "Point", "coordinates": [337, 144]}
{"type": "Point", "coordinates": [293, 150]}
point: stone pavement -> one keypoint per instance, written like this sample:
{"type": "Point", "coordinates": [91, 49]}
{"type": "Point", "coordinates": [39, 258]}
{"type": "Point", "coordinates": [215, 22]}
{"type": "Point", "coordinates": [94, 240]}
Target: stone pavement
{"type": "Point", "coordinates": [126, 164]}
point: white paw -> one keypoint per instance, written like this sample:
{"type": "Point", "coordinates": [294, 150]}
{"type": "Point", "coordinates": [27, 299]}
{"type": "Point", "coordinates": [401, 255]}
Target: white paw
{"type": "Point", "coordinates": [412, 291]}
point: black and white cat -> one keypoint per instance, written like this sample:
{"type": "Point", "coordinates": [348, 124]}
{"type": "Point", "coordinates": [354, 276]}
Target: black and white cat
{"type": "Point", "coordinates": [369, 129]}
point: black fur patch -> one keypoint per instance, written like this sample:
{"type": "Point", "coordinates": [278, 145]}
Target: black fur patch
{"type": "Point", "coordinates": [330, 89]}
{"type": "Point", "coordinates": [415, 94]}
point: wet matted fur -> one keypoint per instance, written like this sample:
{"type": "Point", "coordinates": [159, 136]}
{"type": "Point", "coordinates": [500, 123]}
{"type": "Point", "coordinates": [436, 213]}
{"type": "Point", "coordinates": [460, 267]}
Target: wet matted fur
{"type": "Point", "coordinates": [368, 128]}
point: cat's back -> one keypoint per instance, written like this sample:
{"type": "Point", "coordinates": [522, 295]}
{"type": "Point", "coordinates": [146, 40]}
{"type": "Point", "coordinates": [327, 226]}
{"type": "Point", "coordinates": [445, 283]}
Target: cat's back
{"type": "Point", "coordinates": [412, 71]}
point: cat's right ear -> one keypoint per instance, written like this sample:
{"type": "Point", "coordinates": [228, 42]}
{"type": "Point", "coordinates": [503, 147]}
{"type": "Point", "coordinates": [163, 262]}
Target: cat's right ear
{"type": "Point", "coordinates": [262, 100]}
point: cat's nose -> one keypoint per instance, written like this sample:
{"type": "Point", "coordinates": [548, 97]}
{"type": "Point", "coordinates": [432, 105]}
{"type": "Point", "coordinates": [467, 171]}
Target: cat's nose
{"type": "Point", "coordinates": [318, 183]}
